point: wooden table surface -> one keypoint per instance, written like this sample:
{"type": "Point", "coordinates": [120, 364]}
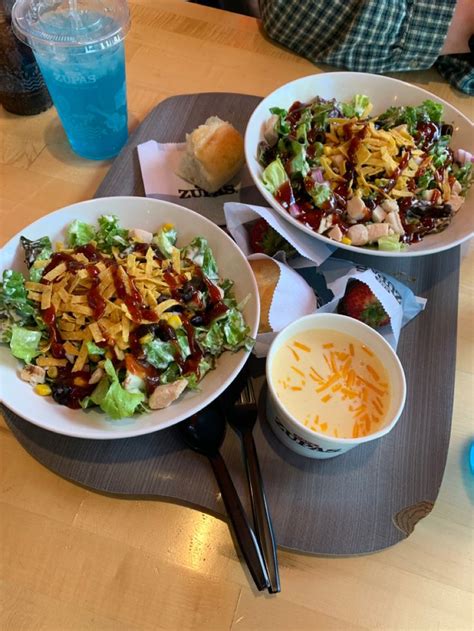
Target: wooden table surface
{"type": "Point", "coordinates": [71, 559]}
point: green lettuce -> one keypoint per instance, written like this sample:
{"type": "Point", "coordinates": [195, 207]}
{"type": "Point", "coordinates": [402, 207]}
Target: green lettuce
{"type": "Point", "coordinates": [227, 333]}
{"type": "Point", "coordinates": [304, 125]}
{"type": "Point", "coordinates": [298, 163]}
{"type": "Point", "coordinates": [320, 111]}
{"type": "Point", "coordinates": [274, 176]}
{"type": "Point", "coordinates": [464, 175]}
{"type": "Point", "coordinates": [36, 272]}
{"type": "Point", "coordinates": [423, 182]}
{"type": "Point", "coordinates": [359, 106]}
{"type": "Point", "coordinates": [206, 364]}
{"type": "Point", "coordinates": [200, 253]}
{"type": "Point", "coordinates": [406, 114]}
{"type": "Point", "coordinates": [79, 233]}
{"type": "Point", "coordinates": [38, 250]}
{"type": "Point", "coordinates": [15, 307]}
{"type": "Point", "coordinates": [165, 239]}
{"type": "Point", "coordinates": [24, 343]}
{"type": "Point", "coordinates": [99, 392]}
{"type": "Point", "coordinates": [320, 193]}
{"type": "Point", "coordinates": [110, 234]}
{"type": "Point", "coordinates": [212, 340]}
{"type": "Point", "coordinates": [282, 128]}
{"type": "Point", "coordinates": [390, 243]}
{"type": "Point", "coordinates": [93, 349]}
{"type": "Point", "coordinates": [236, 332]}
{"type": "Point", "coordinates": [159, 354]}
{"type": "Point", "coordinates": [183, 343]}
{"type": "Point", "coordinates": [440, 151]}
{"type": "Point", "coordinates": [117, 402]}
{"type": "Point", "coordinates": [171, 374]}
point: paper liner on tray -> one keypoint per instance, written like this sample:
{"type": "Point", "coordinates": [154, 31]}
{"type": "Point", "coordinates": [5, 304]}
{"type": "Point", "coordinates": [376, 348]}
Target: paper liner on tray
{"type": "Point", "coordinates": [311, 250]}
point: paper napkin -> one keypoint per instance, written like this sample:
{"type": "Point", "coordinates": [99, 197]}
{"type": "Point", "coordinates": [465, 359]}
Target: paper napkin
{"type": "Point", "coordinates": [159, 163]}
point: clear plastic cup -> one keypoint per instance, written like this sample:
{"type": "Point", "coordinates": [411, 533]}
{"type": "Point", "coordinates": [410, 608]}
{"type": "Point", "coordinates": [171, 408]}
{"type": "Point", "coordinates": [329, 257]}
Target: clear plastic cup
{"type": "Point", "coordinates": [78, 45]}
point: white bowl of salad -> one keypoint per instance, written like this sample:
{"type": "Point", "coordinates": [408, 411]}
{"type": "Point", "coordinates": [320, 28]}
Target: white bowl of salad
{"type": "Point", "coordinates": [121, 316]}
{"type": "Point", "coordinates": [365, 162]}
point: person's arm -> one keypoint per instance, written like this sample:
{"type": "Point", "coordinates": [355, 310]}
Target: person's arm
{"type": "Point", "coordinates": [366, 35]}
{"type": "Point", "coordinates": [460, 29]}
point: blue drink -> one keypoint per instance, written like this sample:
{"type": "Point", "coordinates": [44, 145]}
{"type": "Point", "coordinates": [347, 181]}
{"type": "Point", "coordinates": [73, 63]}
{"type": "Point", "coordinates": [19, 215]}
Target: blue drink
{"type": "Point", "coordinates": [79, 48]}
{"type": "Point", "coordinates": [88, 90]}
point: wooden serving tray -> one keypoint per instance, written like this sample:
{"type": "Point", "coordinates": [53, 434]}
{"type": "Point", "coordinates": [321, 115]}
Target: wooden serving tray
{"type": "Point", "coordinates": [360, 502]}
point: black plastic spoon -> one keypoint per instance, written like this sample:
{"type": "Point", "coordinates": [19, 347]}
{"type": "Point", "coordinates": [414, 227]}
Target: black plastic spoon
{"type": "Point", "coordinates": [204, 432]}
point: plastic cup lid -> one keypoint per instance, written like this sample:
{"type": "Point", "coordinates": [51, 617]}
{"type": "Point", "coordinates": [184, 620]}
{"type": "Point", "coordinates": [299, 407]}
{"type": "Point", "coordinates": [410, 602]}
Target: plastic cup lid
{"type": "Point", "coordinates": [70, 22]}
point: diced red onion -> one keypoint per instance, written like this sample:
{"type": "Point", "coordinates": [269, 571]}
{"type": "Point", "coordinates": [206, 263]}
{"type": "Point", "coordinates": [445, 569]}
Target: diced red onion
{"type": "Point", "coordinates": [317, 175]}
{"type": "Point", "coordinates": [294, 210]}
{"type": "Point", "coordinates": [462, 156]}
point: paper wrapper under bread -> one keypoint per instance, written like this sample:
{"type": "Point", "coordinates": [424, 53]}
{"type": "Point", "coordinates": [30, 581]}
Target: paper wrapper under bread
{"type": "Point", "coordinates": [159, 165]}
{"type": "Point", "coordinates": [328, 284]}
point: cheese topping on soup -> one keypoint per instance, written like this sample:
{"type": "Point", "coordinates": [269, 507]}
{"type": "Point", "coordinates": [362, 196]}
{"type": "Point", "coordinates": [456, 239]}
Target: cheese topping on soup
{"type": "Point", "coordinates": [332, 383]}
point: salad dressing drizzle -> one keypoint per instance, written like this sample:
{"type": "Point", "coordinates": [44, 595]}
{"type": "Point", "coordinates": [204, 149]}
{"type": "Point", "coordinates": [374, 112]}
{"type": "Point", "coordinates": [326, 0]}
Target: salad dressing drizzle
{"type": "Point", "coordinates": [407, 135]}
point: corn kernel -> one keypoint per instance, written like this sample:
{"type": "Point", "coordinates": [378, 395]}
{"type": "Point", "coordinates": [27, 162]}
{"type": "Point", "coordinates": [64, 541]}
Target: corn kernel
{"type": "Point", "coordinates": [346, 240]}
{"type": "Point", "coordinates": [146, 338]}
{"type": "Point", "coordinates": [43, 389]}
{"type": "Point", "coordinates": [80, 381]}
{"type": "Point", "coordinates": [327, 150]}
{"type": "Point", "coordinates": [168, 226]}
{"type": "Point", "coordinates": [52, 372]}
{"type": "Point", "coordinates": [174, 321]}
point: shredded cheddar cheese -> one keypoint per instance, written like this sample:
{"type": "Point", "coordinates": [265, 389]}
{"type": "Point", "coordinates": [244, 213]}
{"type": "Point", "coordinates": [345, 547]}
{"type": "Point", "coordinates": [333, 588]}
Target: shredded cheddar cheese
{"type": "Point", "coordinates": [339, 387]}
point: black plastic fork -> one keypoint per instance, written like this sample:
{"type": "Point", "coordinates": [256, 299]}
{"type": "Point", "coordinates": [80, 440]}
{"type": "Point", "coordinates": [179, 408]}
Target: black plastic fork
{"type": "Point", "coordinates": [242, 416]}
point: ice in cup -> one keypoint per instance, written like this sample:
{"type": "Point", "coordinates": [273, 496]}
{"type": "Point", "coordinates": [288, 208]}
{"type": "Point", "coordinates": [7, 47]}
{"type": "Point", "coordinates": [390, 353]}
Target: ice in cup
{"type": "Point", "coordinates": [79, 47]}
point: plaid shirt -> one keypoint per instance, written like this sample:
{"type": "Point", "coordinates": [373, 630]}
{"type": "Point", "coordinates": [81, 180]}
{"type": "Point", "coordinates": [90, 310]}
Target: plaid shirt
{"type": "Point", "coordinates": [369, 35]}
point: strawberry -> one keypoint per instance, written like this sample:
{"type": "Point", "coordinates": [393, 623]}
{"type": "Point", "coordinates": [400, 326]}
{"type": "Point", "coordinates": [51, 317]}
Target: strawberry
{"type": "Point", "coordinates": [360, 303]}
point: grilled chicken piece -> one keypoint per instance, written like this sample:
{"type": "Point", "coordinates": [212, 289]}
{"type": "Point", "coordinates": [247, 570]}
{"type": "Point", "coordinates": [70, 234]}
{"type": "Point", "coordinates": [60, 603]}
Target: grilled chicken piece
{"type": "Point", "coordinates": [269, 132]}
{"type": "Point", "coordinates": [142, 236]}
{"type": "Point", "coordinates": [96, 376]}
{"type": "Point", "coordinates": [335, 233]}
{"type": "Point", "coordinates": [33, 374]}
{"type": "Point", "coordinates": [390, 206]}
{"type": "Point", "coordinates": [162, 396]}
{"type": "Point", "coordinates": [356, 209]}
{"type": "Point", "coordinates": [378, 214]}
{"type": "Point", "coordinates": [358, 234]}
{"type": "Point", "coordinates": [394, 221]}
{"type": "Point", "coordinates": [377, 230]}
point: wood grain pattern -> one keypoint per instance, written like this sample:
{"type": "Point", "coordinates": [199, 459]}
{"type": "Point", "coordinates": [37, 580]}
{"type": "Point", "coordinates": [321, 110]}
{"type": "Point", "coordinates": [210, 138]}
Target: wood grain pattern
{"type": "Point", "coordinates": [72, 559]}
{"type": "Point", "coordinates": [406, 519]}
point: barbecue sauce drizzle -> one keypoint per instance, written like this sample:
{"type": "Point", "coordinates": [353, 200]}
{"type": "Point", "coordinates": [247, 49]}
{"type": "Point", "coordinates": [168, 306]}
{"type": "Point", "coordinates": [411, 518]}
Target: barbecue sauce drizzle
{"type": "Point", "coordinates": [295, 199]}
{"type": "Point", "coordinates": [70, 388]}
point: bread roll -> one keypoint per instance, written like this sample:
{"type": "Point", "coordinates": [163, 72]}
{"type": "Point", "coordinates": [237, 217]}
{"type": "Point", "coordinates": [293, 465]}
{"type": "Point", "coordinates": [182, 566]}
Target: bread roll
{"type": "Point", "coordinates": [214, 154]}
{"type": "Point", "coordinates": [267, 275]}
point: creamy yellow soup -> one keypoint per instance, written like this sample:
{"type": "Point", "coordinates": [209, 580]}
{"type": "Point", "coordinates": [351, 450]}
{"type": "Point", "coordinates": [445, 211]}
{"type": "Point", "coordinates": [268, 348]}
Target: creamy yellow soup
{"type": "Point", "coordinates": [332, 383]}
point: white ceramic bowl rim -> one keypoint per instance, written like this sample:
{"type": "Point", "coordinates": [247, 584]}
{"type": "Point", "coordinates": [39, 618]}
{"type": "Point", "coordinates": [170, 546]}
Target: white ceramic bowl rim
{"type": "Point", "coordinates": [326, 319]}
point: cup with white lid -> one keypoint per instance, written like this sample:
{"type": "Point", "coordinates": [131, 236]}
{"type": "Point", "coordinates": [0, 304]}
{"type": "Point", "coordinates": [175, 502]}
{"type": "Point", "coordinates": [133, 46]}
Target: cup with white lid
{"type": "Point", "coordinates": [79, 47]}
{"type": "Point", "coordinates": [332, 383]}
